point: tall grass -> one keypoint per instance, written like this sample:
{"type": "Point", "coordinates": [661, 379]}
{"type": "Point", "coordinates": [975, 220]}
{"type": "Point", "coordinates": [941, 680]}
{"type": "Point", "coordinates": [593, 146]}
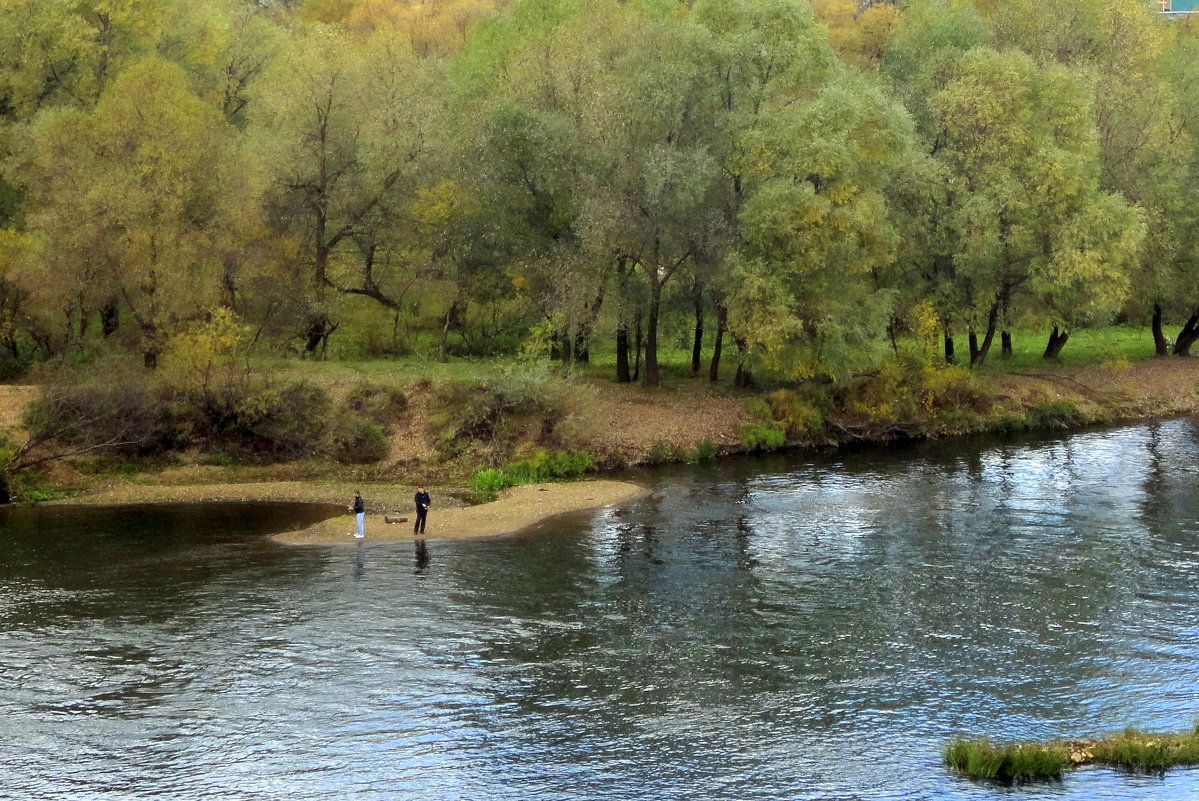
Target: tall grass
{"type": "Point", "coordinates": [1147, 751]}
{"type": "Point", "coordinates": [1010, 762]}
{"type": "Point", "coordinates": [1130, 750]}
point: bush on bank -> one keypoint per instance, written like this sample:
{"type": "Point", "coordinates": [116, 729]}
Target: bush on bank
{"type": "Point", "coordinates": [543, 466]}
{"type": "Point", "coordinates": [132, 414]}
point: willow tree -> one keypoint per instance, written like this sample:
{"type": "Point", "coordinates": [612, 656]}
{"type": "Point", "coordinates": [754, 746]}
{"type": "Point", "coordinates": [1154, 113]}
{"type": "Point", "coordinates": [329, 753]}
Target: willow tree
{"type": "Point", "coordinates": [345, 130]}
{"type": "Point", "coordinates": [1021, 150]}
{"type": "Point", "coordinates": [146, 200]}
{"type": "Point", "coordinates": [1139, 68]}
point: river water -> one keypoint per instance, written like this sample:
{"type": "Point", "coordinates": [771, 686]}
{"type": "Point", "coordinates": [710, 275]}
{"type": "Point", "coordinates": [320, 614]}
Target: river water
{"type": "Point", "coordinates": [779, 628]}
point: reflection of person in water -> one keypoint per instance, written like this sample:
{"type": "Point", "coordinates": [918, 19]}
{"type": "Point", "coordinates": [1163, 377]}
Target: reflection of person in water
{"type": "Point", "coordinates": [360, 561]}
{"type": "Point", "coordinates": [422, 557]}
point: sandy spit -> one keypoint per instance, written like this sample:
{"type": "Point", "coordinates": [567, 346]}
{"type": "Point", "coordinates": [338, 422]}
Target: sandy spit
{"type": "Point", "coordinates": [516, 509]}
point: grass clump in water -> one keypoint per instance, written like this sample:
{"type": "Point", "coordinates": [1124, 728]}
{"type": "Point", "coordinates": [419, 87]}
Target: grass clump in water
{"type": "Point", "coordinates": [1135, 750]}
{"type": "Point", "coordinates": [1011, 762]}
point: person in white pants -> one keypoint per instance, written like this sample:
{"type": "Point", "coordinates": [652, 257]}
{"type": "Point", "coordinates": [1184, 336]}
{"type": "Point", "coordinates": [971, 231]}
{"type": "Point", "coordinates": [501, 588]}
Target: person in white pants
{"type": "Point", "coordinates": [359, 509]}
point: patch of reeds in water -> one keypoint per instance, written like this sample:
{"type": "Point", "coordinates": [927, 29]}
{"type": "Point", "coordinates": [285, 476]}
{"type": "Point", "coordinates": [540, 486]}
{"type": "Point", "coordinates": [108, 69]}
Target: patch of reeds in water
{"type": "Point", "coordinates": [1008, 762]}
{"type": "Point", "coordinates": [1130, 750]}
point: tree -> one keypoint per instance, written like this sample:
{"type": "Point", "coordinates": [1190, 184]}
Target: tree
{"type": "Point", "coordinates": [347, 133]}
{"type": "Point", "coordinates": [150, 193]}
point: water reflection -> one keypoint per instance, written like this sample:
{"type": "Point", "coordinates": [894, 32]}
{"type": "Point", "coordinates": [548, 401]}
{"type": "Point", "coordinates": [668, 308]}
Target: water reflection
{"type": "Point", "coordinates": [757, 629]}
{"type": "Point", "coordinates": [422, 557]}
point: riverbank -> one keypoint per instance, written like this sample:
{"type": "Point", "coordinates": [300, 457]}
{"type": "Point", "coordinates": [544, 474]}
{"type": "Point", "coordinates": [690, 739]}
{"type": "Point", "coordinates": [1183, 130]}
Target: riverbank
{"type": "Point", "coordinates": [515, 509]}
{"type": "Point", "coordinates": [435, 440]}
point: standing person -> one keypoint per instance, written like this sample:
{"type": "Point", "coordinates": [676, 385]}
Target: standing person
{"type": "Point", "coordinates": [359, 510]}
{"type": "Point", "coordinates": [422, 500]}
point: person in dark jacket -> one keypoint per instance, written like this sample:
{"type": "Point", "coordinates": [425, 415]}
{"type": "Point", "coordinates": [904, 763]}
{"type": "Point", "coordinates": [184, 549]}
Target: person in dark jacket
{"type": "Point", "coordinates": [422, 501]}
{"type": "Point", "coordinates": [359, 510]}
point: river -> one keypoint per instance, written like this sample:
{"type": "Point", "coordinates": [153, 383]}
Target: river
{"type": "Point", "coordinates": [787, 627]}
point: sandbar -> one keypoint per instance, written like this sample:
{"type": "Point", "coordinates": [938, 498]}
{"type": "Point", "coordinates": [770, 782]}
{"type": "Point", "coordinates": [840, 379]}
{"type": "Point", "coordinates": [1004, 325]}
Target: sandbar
{"type": "Point", "coordinates": [516, 509]}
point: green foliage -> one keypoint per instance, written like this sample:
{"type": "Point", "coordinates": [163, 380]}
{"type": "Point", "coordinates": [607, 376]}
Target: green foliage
{"type": "Point", "coordinates": [704, 452]}
{"type": "Point", "coordinates": [358, 441]}
{"type": "Point", "coordinates": [1018, 762]}
{"type": "Point", "coordinates": [380, 405]}
{"type": "Point", "coordinates": [663, 452]}
{"type": "Point", "coordinates": [910, 390]}
{"type": "Point", "coordinates": [135, 414]}
{"type": "Point", "coordinates": [541, 467]}
{"type": "Point", "coordinates": [495, 412]}
{"type": "Point", "coordinates": [31, 486]}
{"type": "Point", "coordinates": [1055, 415]}
{"type": "Point", "coordinates": [764, 438]}
{"type": "Point", "coordinates": [1142, 751]}
{"type": "Point", "coordinates": [798, 417]}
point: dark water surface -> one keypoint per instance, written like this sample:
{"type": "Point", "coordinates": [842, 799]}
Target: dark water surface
{"type": "Point", "coordinates": [783, 628]}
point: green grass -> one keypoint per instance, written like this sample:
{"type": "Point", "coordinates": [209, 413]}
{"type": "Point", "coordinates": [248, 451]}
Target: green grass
{"type": "Point", "coordinates": [543, 466]}
{"type": "Point", "coordinates": [1147, 751]}
{"type": "Point", "coordinates": [1009, 762]}
{"type": "Point", "coordinates": [1130, 750]}
{"type": "Point", "coordinates": [1086, 347]}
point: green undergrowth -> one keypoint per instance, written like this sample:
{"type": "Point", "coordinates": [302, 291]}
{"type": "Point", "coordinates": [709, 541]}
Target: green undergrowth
{"type": "Point", "coordinates": [541, 467]}
{"type": "Point", "coordinates": [1130, 750]}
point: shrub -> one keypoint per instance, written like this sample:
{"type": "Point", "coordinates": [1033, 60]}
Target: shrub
{"type": "Point", "coordinates": [541, 467]}
{"type": "Point", "coordinates": [663, 452]}
{"type": "Point", "coordinates": [704, 452]}
{"type": "Point", "coordinates": [797, 416]}
{"type": "Point", "coordinates": [359, 441]}
{"type": "Point", "coordinates": [379, 405]}
{"type": "Point", "coordinates": [495, 411]}
{"type": "Point", "coordinates": [490, 480]}
{"type": "Point", "coordinates": [1055, 414]}
{"type": "Point", "coordinates": [119, 409]}
{"type": "Point", "coordinates": [286, 423]}
{"type": "Point", "coordinates": [950, 386]}
{"type": "Point", "coordinates": [764, 438]}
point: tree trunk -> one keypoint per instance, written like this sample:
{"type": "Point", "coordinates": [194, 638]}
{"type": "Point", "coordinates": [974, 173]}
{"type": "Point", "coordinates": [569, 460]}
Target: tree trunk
{"type": "Point", "coordinates": [743, 377]}
{"type": "Point", "coordinates": [583, 334]}
{"type": "Point", "coordinates": [722, 320]}
{"type": "Point", "coordinates": [978, 354]}
{"type": "Point", "coordinates": [950, 355]}
{"type": "Point", "coordinates": [110, 318]}
{"type": "Point", "coordinates": [637, 346]}
{"type": "Point", "coordinates": [622, 354]}
{"type": "Point", "coordinates": [652, 378]}
{"type": "Point", "coordinates": [582, 350]}
{"type": "Point", "coordinates": [566, 348]}
{"type": "Point", "coordinates": [1187, 336]}
{"type": "Point", "coordinates": [1005, 339]}
{"type": "Point", "coordinates": [697, 345]}
{"type": "Point", "coordinates": [1057, 341]}
{"type": "Point", "coordinates": [5, 492]}
{"type": "Point", "coordinates": [315, 333]}
{"type": "Point", "coordinates": [1160, 346]}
